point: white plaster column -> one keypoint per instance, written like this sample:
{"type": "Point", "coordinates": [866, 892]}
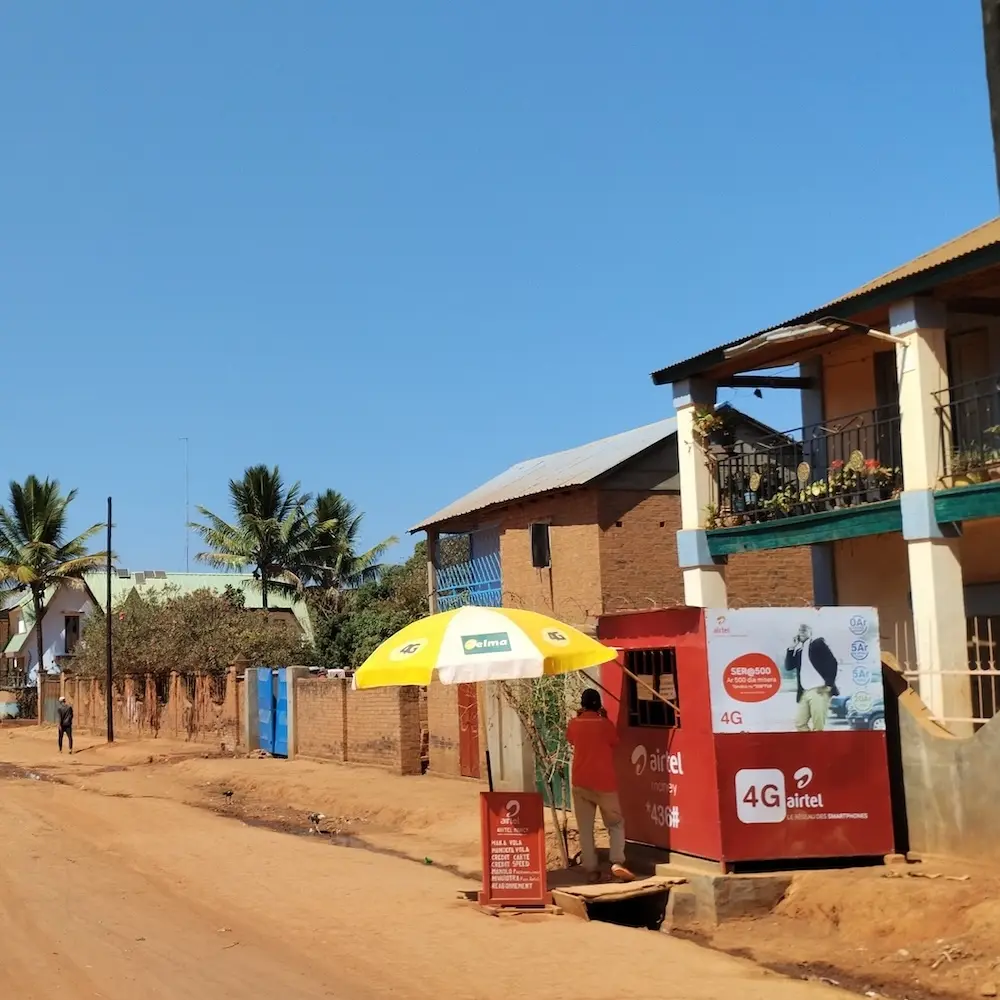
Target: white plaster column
{"type": "Point", "coordinates": [936, 588]}
{"type": "Point", "coordinates": [704, 577]}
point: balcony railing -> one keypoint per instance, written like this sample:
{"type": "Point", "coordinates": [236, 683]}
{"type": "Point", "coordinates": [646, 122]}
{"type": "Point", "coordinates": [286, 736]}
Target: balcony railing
{"type": "Point", "coordinates": [843, 462]}
{"type": "Point", "coordinates": [969, 419]}
{"type": "Point", "coordinates": [475, 581]}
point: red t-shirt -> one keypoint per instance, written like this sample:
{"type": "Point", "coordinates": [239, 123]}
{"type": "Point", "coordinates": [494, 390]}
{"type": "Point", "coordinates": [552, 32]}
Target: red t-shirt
{"type": "Point", "coordinates": [593, 738]}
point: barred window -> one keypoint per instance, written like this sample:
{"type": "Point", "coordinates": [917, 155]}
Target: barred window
{"type": "Point", "coordinates": [657, 669]}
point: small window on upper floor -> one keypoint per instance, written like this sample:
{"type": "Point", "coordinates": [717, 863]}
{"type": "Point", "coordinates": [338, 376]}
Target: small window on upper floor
{"type": "Point", "coordinates": [72, 626]}
{"type": "Point", "coordinates": [541, 555]}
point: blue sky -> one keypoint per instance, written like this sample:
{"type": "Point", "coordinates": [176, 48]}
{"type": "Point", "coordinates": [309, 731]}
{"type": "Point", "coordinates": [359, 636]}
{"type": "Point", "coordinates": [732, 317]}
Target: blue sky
{"type": "Point", "coordinates": [396, 246]}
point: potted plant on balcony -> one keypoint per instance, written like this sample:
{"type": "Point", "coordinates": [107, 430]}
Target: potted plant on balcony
{"type": "Point", "coordinates": [968, 466]}
{"type": "Point", "coordinates": [819, 493]}
{"type": "Point", "coordinates": [714, 427]}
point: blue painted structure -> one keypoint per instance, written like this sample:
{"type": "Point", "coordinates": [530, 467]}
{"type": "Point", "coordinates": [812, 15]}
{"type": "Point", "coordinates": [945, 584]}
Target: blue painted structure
{"type": "Point", "coordinates": [474, 582]}
{"type": "Point", "coordinates": [281, 713]}
{"type": "Point", "coordinates": [272, 710]}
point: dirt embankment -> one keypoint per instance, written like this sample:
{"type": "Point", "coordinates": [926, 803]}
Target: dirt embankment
{"type": "Point", "coordinates": [919, 932]}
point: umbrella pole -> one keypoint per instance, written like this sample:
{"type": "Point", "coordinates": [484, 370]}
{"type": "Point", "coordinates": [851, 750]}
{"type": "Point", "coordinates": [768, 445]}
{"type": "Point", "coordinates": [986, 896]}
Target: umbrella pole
{"type": "Point", "coordinates": [489, 770]}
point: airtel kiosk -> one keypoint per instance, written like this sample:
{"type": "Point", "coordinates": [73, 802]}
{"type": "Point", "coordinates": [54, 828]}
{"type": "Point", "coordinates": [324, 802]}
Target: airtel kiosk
{"type": "Point", "coordinates": [751, 735]}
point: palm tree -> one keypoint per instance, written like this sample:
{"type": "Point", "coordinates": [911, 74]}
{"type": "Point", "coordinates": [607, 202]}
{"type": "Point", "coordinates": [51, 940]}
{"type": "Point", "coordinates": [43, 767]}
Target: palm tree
{"type": "Point", "coordinates": [34, 552]}
{"type": "Point", "coordinates": [335, 561]}
{"type": "Point", "coordinates": [270, 530]}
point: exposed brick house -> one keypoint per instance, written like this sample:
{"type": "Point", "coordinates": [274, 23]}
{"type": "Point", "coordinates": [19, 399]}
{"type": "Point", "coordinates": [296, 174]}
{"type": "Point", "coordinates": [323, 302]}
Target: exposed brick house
{"type": "Point", "coordinates": [574, 535]}
{"type": "Point", "coordinates": [592, 530]}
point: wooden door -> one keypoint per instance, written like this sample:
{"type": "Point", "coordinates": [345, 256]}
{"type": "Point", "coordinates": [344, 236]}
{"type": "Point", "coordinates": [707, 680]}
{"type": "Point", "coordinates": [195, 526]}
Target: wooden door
{"type": "Point", "coordinates": [468, 730]}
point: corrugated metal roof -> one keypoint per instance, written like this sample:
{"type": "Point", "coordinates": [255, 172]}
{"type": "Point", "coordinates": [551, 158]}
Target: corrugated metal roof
{"type": "Point", "coordinates": [188, 583]}
{"type": "Point", "coordinates": [983, 236]}
{"type": "Point", "coordinates": [179, 583]}
{"type": "Point", "coordinates": [575, 467]}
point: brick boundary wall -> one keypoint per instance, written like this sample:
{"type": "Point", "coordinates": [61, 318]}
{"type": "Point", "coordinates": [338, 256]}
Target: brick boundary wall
{"type": "Point", "coordinates": [379, 727]}
{"type": "Point", "coordinates": [443, 726]}
{"type": "Point", "coordinates": [197, 707]}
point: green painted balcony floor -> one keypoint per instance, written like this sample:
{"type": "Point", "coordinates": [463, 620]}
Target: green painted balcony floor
{"type": "Point", "coordinates": [961, 503]}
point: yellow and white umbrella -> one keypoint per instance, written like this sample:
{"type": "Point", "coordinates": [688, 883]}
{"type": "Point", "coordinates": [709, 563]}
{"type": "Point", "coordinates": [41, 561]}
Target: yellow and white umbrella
{"type": "Point", "coordinates": [480, 644]}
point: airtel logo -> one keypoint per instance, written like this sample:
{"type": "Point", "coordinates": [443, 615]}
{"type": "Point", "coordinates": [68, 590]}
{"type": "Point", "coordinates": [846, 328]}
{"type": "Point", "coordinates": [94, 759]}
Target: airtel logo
{"type": "Point", "coordinates": [660, 762]}
{"type": "Point", "coordinates": [513, 809]}
{"type": "Point", "coordinates": [802, 777]}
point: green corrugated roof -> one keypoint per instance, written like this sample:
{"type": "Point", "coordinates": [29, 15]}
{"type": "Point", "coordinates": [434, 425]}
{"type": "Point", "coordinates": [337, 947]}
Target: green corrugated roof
{"type": "Point", "coordinates": [188, 583]}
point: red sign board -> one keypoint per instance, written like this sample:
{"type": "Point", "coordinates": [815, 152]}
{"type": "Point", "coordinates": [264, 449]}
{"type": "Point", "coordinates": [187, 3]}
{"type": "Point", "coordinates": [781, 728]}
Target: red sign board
{"type": "Point", "coordinates": [666, 783]}
{"type": "Point", "coordinates": [513, 843]}
{"type": "Point", "coordinates": [804, 795]}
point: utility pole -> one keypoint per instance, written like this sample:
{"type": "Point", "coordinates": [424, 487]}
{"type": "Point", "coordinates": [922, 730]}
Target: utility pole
{"type": "Point", "coordinates": [991, 44]}
{"type": "Point", "coordinates": [187, 506]}
{"type": "Point", "coordinates": [109, 688]}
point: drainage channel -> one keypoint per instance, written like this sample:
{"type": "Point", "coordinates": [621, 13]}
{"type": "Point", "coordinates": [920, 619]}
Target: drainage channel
{"type": "Point", "coordinates": [350, 841]}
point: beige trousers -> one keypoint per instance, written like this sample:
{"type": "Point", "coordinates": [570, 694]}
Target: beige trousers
{"type": "Point", "coordinates": [585, 804]}
{"type": "Point", "coordinates": [812, 710]}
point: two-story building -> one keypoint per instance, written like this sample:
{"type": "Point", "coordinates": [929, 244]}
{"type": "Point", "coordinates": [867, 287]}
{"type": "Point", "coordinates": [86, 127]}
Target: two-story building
{"type": "Point", "coordinates": [894, 477]}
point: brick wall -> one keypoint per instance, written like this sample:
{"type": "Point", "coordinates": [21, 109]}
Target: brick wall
{"type": "Point", "coordinates": [639, 550]}
{"type": "Point", "coordinates": [444, 724]}
{"type": "Point", "coordinates": [383, 728]}
{"type": "Point", "coordinates": [570, 589]}
{"type": "Point", "coordinates": [778, 577]}
{"type": "Point", "coordinates": [639, 559]}
{"type": "Point", "coordinates": [194, 707]}
{"type": "Point", "coordinates": [321, 718]}
{"type": "Point", "coordinates": [443, 729]}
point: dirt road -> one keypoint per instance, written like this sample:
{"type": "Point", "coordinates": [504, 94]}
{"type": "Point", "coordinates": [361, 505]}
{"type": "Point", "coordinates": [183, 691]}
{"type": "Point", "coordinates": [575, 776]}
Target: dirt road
{"type": "Point", "coordinates": [139, 897]}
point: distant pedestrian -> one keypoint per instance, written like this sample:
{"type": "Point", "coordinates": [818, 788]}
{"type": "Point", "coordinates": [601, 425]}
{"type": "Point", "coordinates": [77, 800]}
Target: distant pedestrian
{"type": "Point", "coordinates": [593, 737]}
{"type": "Point", "coordinates": [65, 723]}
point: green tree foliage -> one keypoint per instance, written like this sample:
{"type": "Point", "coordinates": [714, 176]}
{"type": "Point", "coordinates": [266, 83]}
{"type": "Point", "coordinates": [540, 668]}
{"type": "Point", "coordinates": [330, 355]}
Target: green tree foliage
{"type": "Point", "coordinates": [35, 553]}
{"type": "Point", "coordinates": [270, 533]}
{"type": "Point", "coordinates": [204, 630]}
{"type": "Point", "coordinates": [337, 562]}
{"type": "Point", "coordinates": [350, 625]}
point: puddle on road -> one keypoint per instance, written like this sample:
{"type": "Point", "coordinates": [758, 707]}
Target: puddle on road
{"type": "Point", "coordinates": [23, 773]}
{"type": "Point", "coordinates": [354, 842]}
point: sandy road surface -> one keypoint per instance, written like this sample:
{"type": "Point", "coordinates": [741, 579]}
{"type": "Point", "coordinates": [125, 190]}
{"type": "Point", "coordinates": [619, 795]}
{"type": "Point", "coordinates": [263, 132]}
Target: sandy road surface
{"type": "Point", "coordinates": [144, 898]}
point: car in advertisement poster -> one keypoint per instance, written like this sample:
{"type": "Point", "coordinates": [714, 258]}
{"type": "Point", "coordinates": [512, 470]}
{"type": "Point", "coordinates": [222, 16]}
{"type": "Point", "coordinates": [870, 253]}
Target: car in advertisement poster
{"type": "Point", "coordinates": [871, 719]}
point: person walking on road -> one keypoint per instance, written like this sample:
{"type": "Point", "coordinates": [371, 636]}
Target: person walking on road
{"type": "Point", "coordinates": [593, 737]}
{"type": "Point", "coordinates": [65, 723]}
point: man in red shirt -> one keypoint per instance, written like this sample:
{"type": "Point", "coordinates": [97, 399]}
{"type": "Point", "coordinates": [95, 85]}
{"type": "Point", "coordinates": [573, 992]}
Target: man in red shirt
{"type": "Point", "coordinates": [593, 738]}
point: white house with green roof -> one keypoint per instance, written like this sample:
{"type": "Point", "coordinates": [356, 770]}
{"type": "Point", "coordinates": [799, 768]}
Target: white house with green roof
{"type": "Point", "coordinates": [67, 607]}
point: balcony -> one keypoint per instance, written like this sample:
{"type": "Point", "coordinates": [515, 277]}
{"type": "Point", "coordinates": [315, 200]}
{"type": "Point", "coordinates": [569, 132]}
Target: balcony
{"type": "Point", "coordinates": [471, 581]}
{"type": "Point", "coordinates": [843, 463]}
{"type": "Point", "coordinates": [969, 419]}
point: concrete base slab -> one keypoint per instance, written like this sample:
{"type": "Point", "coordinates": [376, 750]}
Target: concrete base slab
{"type": "Point", "coordinates": [710, 898]}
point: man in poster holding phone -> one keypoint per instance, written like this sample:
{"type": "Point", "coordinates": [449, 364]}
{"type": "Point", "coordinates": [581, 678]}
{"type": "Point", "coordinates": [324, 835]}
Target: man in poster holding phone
{"type": "Point", "coordinates": [815, 669]}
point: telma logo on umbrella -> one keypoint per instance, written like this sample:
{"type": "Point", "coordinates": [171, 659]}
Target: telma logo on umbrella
{"type": "Point", "coordinates": [491, 642]}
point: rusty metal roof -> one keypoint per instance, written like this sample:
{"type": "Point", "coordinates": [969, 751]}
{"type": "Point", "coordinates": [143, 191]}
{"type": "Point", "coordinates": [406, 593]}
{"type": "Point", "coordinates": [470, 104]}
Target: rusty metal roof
{"type": "Point", "coordinates": [972, 250]}
{"type": "Point", "coordinates": [562, 470]}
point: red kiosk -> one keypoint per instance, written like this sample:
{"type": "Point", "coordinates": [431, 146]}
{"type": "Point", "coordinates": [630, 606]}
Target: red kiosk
{"type": "Point", "coordinates": [762, 760]}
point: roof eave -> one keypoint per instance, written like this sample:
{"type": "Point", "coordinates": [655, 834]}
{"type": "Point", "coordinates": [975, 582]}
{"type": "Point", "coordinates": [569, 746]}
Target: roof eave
{"type": "Point", "coordinates": [884, 295]}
